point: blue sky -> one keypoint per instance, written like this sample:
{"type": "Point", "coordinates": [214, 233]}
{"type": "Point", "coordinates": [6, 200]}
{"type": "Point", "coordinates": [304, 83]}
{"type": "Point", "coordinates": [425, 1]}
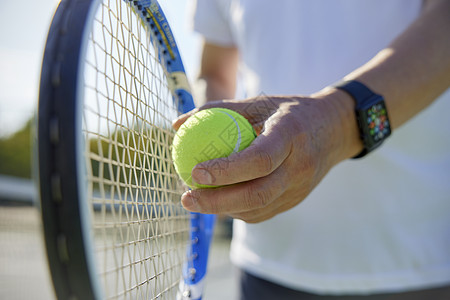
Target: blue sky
{"type": "Point", "coordinates": [23, 30]}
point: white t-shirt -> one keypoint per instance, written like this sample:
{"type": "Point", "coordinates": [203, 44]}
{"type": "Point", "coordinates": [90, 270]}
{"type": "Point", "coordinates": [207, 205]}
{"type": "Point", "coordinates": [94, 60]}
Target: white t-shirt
{"type": "Point", "coordinates": [378, 224]}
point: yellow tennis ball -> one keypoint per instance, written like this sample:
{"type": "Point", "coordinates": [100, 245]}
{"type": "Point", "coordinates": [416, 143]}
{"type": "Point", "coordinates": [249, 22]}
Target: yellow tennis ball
{"type": "Point", "coordinates": [208, 134]}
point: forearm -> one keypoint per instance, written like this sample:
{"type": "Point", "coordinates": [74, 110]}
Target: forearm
{"type": "Point", "coordinates": [218, 70]}
{"type": "Point", "coordinates": [411, 73]}
{"type": "Point", "coordinates": [216, 90]}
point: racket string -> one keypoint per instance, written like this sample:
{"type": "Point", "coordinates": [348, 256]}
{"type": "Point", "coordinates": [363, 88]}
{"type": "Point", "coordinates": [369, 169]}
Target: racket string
{"type": "Point", "coordinates": [139, 226]}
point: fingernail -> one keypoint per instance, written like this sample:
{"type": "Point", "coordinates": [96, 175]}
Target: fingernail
{"type": "Point", "coordinates": [189, 200]}
{"type": "Point", "coordinates": [201, 176]}
{"type": "Point", "coordinates": [175, 124]}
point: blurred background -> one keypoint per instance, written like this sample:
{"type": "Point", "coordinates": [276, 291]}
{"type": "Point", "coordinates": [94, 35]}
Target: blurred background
{"type": "Point", "coordinates": [23, 264]}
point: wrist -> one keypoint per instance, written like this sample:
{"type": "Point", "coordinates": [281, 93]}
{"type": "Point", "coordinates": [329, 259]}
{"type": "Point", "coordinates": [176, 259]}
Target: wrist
{"type": "Point", "coordinates": [371, 115]}
{"type": "Point", "coordinates": [345, 135]}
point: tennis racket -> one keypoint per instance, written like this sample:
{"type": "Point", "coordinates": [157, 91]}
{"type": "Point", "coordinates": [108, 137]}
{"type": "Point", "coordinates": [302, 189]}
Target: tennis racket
{"type": "Point", "coordinates": [111, 82]}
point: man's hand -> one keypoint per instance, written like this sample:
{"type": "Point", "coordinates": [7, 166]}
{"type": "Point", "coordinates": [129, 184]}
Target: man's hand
{"type": "Point", "coordinates": [300, 139]}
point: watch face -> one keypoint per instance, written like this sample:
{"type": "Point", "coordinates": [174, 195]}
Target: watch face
{"type": "Point", "coordinates": [376, 123]}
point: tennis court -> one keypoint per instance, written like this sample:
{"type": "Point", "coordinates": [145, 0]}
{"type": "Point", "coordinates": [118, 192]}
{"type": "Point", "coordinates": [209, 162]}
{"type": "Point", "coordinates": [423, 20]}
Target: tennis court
{"type": "Point", "coordinates": [23, 266]}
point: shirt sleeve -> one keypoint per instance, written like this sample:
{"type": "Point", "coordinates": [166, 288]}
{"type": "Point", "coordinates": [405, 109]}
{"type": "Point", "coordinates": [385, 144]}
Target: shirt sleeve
{"type": "Point", "coordinates": [210, 19]}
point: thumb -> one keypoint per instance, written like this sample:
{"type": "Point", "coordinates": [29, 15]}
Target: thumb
{"type": "Point", "coordinates": [262, 157]}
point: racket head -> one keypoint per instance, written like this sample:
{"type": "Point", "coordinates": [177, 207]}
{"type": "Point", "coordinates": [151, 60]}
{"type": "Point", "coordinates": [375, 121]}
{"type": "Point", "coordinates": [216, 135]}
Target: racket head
{"type": "Point", "coordinates": [67, 189]}
{"type": "Point", "coordinates": [59, 92]}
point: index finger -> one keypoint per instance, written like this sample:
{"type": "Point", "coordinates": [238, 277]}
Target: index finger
{"type": "Point", "coordinates": [237, 106]}
{"type": "Point", "coordinates": [182, 118]}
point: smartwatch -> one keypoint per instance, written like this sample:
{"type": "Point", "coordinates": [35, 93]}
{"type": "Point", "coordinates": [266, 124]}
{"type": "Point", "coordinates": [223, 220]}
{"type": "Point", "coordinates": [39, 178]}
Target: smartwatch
{"type": "Point", "coordinates": [371, 115]}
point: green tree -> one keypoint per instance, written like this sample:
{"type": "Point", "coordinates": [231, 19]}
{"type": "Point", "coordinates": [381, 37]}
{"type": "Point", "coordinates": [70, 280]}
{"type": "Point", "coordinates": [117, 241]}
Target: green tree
{"type": "Point", "coordinates": [15, 152]}
{"type": "Point", "coordinates": [137, 157]}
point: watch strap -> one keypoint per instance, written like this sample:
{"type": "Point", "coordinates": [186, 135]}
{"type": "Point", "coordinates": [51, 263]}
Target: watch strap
{"type": "Point", "coordinates": [358, 91]}
{"type": "Point", "coordinates": [363, 96]}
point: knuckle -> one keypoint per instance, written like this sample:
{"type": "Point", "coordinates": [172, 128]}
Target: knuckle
{"type": "Point", "coordinates": [265, 162]}
{"type": "Point", "coordinates": [263, 198]}
{"type": "Point", "coordinates": [209, 203]}
{"type": "Point", "coordinates": [214, 207]}
{"type": "Point", "coordinates": [257, 197]}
